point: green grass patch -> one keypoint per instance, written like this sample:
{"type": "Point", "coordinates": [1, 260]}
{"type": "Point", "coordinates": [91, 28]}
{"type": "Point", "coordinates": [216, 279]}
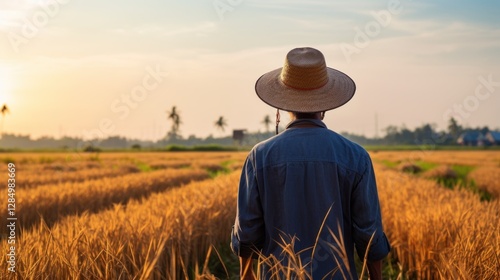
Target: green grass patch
{"type": "Point", "coordinates": [462, 170]}
{"type": "Point", "coordinates": [483, 195]}
{"type": "Point", "coordinates": [223, 168]}
{"type": "Point", "coordinates": [144, 167]}
{"type": "Point", "coordinates": [389, 164]}
{"type": "Point", "coordinates": [469, 185]}
{"type": "Point", "coordinates": [424, 165]}
{"type": "Point", "coordinates": [459, 180]}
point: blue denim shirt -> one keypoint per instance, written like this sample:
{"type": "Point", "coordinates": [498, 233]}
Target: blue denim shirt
{"type": "Point", "coordinates": [305, 181]}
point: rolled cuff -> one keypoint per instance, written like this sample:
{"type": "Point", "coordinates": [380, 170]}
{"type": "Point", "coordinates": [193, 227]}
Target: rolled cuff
{"type": "Point", "coordinates": [379, 249]}
{"type": "Point", "coordinates": [241, 249]}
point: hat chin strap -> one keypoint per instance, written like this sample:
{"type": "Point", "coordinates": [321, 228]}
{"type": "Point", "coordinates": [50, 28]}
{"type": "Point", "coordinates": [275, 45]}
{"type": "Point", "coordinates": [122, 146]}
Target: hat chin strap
{"type": "Point", "coordinates": [277, 120]}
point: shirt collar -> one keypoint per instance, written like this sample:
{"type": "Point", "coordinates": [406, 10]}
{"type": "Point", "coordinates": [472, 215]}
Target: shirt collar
{"type": "Point", "coordinates": [315, 122]}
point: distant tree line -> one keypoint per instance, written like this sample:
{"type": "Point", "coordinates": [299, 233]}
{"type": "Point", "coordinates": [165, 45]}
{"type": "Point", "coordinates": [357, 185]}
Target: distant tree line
{"type": "Point", "coordinates": [173, 137]}
{"type": "Point", "coordinates": [426, 134]}
{"type": "Point", "coordinates": [12, 141]}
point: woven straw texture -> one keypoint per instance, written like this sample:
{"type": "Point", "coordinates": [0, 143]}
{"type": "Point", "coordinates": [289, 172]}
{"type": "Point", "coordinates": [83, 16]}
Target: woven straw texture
{"type": "Point", "coordinates": [304, 84]}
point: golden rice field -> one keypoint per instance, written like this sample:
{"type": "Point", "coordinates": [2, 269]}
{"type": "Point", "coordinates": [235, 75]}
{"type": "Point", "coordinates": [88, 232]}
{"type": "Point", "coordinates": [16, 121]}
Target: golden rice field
{"type": "Point", "coordinates": [168, 215]}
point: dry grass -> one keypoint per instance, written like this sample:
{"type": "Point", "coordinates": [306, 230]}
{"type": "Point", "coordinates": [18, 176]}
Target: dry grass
{"type": "Point", "coordinates": [439, 233]}
{"type": "Point", "coordinates": [51, 202]}
{"type": "Point", "coordinates": [60, 171]}
{"type": "Point", "coordinates": [70, 174]}
{"type": "Point", "coordinates": [484, 166]}
{"type": "Point", "coordinates": [436, 233]}
{"type": "Point", "coordinates": [297, 270]}
{"type": "Point", "coordinates": [55, 168]}
{"type": "Point", "coordinates": [161, 237]}
{"type": "Point", "coordinates": [472, 158]}
{"type": "Point", "coordinates": [487, 178]}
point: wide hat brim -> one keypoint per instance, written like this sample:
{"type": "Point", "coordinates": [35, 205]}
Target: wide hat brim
{"type": "Point", "coordinates": [336, 92]}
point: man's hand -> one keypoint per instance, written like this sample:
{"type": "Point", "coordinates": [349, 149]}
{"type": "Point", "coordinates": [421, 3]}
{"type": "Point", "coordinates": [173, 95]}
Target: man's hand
{"type": "Point", "coordinates": [246, 270]}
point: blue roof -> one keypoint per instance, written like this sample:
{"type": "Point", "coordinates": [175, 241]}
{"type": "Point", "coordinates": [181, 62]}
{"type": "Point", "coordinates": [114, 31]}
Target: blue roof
{"type": "Point", "coordinates": [495, 135]}
{"type": "Point", "coordinates": [471, 136]}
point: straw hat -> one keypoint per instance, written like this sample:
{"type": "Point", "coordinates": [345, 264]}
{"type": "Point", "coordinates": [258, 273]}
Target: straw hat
{"type": "Point", "coordinates": [304, 84]}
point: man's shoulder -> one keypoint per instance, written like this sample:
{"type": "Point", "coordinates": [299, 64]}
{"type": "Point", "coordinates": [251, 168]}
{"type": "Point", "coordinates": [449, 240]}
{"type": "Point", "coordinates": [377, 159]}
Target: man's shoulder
{"type": "Point", "coordinates": [349, 143]}
{"type": "Point", "coordinates": [335, 140]}
{"type": "Point", "coordinates": [351, 148]}
{"type": "Point", "coordinates": [324, 146]}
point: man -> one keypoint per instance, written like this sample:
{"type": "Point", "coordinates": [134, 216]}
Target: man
{"type": "Point", "coordinates": [308, 186]}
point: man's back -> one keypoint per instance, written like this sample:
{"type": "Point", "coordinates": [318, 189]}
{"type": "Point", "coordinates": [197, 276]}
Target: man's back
{"type": "Point", "coordinates": [302, 177]}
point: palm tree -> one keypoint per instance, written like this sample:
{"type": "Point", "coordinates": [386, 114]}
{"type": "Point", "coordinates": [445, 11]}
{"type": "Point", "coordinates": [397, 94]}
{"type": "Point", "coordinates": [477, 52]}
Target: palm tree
{"type": "Point", "coordinates": [267, 122]}
{"type": "Point", "coordinates": [454, 129]}
{"type": "Point", "coordinates": [221, 123]}
{"type": "Point", "coordinates": [174, 116]}
{"type": "Point", "coordinates": [4, 111]}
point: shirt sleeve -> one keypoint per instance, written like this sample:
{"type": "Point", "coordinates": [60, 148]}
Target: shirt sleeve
{"type": "Point", "coordinates": [247, 235]}
{"type": "Point", "coordinates": [366, 217]}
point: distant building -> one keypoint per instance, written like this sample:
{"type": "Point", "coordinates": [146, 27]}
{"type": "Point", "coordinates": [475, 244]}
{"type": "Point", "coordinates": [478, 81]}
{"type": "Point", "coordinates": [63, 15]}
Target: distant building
{"type": "Point", "coordinates": [471, 138]}
{"type": "Point", "coordinates": [493, 137]}
{"type": "Point", "coordinates": [239, 135]}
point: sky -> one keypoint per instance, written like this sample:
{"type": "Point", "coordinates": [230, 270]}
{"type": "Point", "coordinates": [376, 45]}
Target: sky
{"type": "Point", "coordinates": [104, 68]}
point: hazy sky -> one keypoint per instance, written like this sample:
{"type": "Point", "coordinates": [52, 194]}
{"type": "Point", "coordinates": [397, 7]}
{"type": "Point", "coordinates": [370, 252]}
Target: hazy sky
{"type": "Point", "coordinates": [87, 68]}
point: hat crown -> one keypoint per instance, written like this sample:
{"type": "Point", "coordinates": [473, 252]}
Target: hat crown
{"type": "Point", "coordinates": [304, 69]}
